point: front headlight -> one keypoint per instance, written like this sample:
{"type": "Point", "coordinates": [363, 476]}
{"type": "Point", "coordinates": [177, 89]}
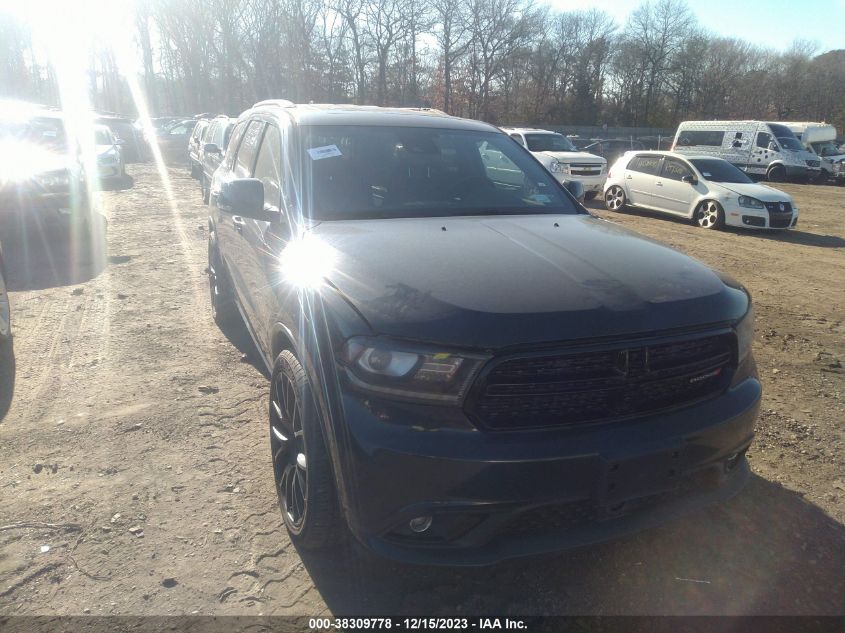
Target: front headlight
{"type": "Point", "coordinates": [53, 180]}
{"type": "Point", "coordinates": [753, 203]}
{"type": "Point", "coordinates": [745, 334]}
{"type": "Point", "coordinates": [746, 367]}
{"type": "Point", "coordinates": [559, 168]}
{"type": "Point", "coordinates": [406, 371]}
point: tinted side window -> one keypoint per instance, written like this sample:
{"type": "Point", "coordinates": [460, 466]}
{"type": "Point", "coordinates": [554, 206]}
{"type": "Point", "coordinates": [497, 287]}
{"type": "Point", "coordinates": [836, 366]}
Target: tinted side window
{"type": "Point", "coordinates": [645, 164]}
{"type": "Point", "coordinates": [246, 152]}
{"type": "Point", "coordinates": [674, 169]}
{"type": "Point", "coordinates": [268, 166]}
{"type": "Point", "coordinates": [707, 138]}
{"type": "Point", "coordinates": [237, 133]}
{"type": "Point", "coordinates": [210, 131]}
{"type": "Point", "coordinates": [219, 131]}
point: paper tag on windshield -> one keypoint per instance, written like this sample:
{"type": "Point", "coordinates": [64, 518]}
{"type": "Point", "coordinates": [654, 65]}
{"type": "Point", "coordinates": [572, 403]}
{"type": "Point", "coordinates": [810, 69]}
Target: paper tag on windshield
{"type": "Point", "coordinates": [327, 151]}
{"type": "Point", "coordinates": [706, 174]}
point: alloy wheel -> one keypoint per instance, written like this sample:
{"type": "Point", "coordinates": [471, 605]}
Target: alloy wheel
{"type": "Point", "coordinates": [288, 448]}
{"type": "Point", "coordinates": [615, 198]}
{"type": "Point", "coordinates": [708, 215]}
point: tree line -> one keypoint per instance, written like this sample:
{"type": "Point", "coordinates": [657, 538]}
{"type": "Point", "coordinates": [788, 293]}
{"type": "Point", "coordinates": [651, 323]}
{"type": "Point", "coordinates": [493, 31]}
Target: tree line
{"type": "Point", "coordinates": [504, 61]}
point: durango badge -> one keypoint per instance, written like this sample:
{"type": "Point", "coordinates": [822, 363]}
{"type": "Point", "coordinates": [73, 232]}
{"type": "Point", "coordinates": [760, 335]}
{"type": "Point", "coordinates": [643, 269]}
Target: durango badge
{"type": "Point", "coordinates": [709, 374]}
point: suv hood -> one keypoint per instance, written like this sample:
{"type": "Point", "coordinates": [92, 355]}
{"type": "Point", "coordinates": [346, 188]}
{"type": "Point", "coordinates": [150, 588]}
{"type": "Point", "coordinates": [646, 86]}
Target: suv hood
{"type": "Point", "coordinates": [572, 157]}
{"type": "Point", "coordinates": [754, 190]}
{"type": "Point", "coordinates": [20, 161]}
{"type": "Point", "coordinates": [493, 282]}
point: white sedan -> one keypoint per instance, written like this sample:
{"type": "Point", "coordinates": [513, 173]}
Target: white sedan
{"type": "Point", "coordinates": [710, 191]}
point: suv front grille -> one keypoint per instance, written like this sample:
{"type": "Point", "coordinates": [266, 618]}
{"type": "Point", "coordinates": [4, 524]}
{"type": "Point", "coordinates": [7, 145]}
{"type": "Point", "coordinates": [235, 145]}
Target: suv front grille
{"type": "Point", "coordinates": [585, 169]}
{"type": "Point", "coordinates": [553, 390]}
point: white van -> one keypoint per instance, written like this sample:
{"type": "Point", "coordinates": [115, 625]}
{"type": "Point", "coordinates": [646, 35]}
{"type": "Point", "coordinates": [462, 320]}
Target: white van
{"type": "Point", "coordinates": [820, 138]}
{"type": "Point", "coordinates": [759, 148]}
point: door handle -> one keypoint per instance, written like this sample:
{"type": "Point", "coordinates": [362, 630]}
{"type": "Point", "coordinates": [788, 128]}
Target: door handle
{"type": "Point", "coordinates": [629, 176]}
{"type": "Point", "coordinates": [238, 221]}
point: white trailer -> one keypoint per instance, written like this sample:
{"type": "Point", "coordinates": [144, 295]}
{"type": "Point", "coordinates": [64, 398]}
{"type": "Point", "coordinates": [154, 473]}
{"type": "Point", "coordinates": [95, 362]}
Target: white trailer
{"type": "Point", "coordinates": [761, 148]}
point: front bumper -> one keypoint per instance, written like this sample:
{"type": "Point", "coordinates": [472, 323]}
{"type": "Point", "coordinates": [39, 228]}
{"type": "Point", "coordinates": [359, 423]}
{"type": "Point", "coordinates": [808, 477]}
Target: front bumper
{"type": "Point", "coordinates": [495, 496]}
{"type": "Point", "coordinates": [749, 218]}
{"type": "Point", "coordinates": [591, 183]}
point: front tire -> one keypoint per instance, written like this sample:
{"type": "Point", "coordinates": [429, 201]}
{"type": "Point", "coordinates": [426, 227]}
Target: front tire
{"type": "Point", "coordinates": [614, 199]}
{"type": "Point", "coordinates": [301, 466]}
{"type": "Point", "coordinates": [776, 173]}
{"type": "Point", "coordinates": [710, 215]}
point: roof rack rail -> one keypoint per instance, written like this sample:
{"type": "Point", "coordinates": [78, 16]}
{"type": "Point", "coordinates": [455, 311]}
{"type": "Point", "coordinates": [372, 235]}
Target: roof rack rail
{"type": "Point", "coordinates": [282, 103]}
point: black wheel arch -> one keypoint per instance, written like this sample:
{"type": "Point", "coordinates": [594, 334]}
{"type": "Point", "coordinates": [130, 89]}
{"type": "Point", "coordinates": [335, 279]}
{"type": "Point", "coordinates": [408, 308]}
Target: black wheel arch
{"type": "Point", "coordinates": [326, 392]}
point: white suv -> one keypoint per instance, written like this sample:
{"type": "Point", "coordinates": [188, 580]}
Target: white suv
{"type": "Point", "coordinates": [562, 158]}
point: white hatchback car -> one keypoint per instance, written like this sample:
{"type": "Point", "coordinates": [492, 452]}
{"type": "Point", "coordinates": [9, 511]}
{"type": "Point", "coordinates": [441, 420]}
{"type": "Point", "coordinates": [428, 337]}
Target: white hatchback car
{"type": "Point", "coordinates": [708, 190]}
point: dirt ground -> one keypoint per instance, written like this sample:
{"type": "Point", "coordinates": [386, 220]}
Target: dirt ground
{"type": "Point", "coordinates": [138, 432]}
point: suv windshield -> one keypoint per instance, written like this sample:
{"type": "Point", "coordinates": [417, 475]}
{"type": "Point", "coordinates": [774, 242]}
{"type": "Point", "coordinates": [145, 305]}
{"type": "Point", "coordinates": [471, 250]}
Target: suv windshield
{"type": "Point", "coordinates": [549, 143]}
{"type": "Point", "coordinates": [356, 172]}
{"type": "Point", "coordinates": [48, 132]}
{"type": "Point", "coordinates": [718, 170]}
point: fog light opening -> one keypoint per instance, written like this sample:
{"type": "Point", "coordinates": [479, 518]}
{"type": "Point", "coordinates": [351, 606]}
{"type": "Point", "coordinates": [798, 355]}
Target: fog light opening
{"type": "Point", "coordinates": [420, 524]}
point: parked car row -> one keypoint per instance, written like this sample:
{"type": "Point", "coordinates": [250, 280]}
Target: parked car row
{"type": "Point", "coordinates": [703, 188]}
{"type": "Point", "coordinates": [42, 173]}
{"type": "Point", "coordinates": [435, 308]}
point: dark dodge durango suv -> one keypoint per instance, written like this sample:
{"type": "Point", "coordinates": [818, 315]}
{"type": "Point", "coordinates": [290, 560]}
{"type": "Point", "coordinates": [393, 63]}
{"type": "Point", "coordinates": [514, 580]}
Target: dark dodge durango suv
{"type": "Point", "coordinates": [468, 366]}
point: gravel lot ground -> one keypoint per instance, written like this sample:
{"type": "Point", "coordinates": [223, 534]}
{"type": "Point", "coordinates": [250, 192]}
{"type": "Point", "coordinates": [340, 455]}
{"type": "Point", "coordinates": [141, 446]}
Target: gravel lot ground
{"type": "Point", "coordinates": [138, 432]}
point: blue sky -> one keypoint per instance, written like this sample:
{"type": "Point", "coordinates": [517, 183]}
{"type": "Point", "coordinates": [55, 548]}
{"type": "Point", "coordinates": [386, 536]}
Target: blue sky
{"type": "Point", "coordinates": [782, 21]}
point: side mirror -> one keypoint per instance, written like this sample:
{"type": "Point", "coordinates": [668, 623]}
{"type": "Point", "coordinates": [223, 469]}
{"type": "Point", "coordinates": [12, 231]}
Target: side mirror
{"type": "Point", "coordinates": [689, 179]}
{"type": "Point", "coordinates": [211, 148]}
{"type": "Point", "coordinates": [576, 188]}
{"type": "Point", "coordinates": [244, 197]}
{"type": "Point", "coordinates": [773, 147]}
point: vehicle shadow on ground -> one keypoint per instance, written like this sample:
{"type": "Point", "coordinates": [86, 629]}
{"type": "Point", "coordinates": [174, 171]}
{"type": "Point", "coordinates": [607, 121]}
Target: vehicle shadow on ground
{"type": "Point", "coordinates": [767, 551]}
{"type": "Point", "coordinates": [120, 184]}
{"type": "Point", "coordinates": [794, 236]}
{"type": "Point", "coordinates": [39, 257]}
{"type": "Point", "coordinates": [7, 376]}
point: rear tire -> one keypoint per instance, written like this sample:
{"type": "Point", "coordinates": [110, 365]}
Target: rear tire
{"type": "Point", "coordinates": [206, 193]}
{"type": "Point", "coordinates": [301, 465]}
{"type": "Point", "coordinates": [614, 199]}
{"type": "Point", "coordinates": [710, 215]}
{"type": "Point", "coordinates": [223, 307]}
